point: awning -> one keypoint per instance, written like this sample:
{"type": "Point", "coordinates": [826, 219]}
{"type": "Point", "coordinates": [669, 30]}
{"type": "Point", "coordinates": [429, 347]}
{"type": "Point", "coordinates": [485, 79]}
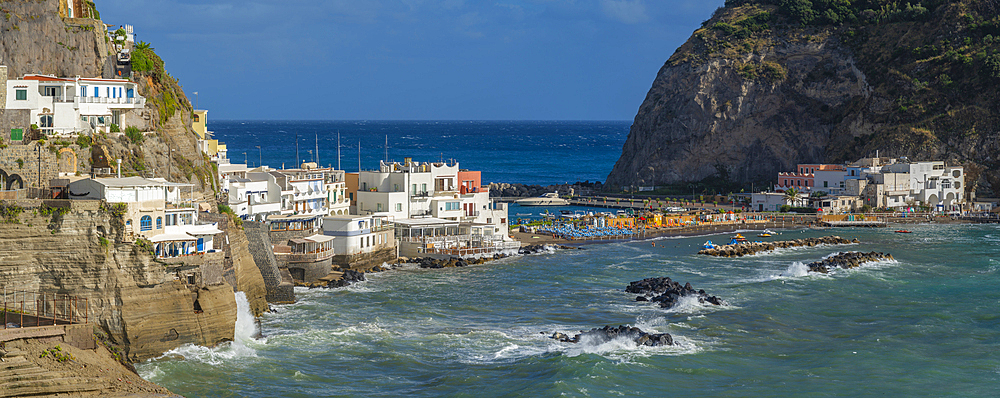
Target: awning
{"type": "Point", "coordinates": [319, 238]}
{"type": "Point", "coordinates": [203, 230]}
{"type": "Point", "coordinates": [171, 237]}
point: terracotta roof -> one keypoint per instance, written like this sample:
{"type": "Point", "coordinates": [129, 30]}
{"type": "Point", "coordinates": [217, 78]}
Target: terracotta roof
{"type": "Point", "coordinates": [46, 78]}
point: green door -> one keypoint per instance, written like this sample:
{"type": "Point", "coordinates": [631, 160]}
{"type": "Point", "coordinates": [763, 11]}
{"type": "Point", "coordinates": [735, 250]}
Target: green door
{"type": "Point", "coordinates": [16, 134]}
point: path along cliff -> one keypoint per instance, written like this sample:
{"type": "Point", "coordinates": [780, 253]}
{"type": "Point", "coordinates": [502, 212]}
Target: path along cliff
{"type": "Point", "coordinates": [766, 84]}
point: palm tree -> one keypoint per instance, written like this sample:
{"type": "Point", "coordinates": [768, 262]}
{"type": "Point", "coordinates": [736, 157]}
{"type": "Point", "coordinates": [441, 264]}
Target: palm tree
{"type": "Point", "coordinates": [792, 196]}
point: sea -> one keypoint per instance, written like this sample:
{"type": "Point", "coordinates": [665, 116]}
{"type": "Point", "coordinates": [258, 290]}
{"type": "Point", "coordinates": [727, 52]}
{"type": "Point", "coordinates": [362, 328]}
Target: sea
{"type": "Point", "coordinates": [924, 324]}
{"type": "Point", "coordinates": [526, 152]}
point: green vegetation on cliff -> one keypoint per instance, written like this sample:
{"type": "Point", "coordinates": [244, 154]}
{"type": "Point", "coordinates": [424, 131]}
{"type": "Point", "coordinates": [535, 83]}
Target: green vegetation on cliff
{"type": "Point", "coordinates": [926, 74]}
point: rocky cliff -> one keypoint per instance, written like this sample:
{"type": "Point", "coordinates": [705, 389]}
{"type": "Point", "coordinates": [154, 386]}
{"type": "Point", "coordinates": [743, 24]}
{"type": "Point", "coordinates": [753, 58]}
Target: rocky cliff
{"type": "Point", "coordinates": [766, 84]}
{"type": "Point", "coordinates": [132, 297]}
{"type": "Point", "coordinates": [36, 39]}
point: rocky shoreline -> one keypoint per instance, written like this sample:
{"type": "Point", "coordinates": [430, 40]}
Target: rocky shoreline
{"type": "Point", "coordinates": [746, 249]}
{"type": "Point", "coordinates": [608, 333]}
{"type": "Point", "coordinates": [667, 292]}
{"type": "Point", "coordinates": [848, 260]}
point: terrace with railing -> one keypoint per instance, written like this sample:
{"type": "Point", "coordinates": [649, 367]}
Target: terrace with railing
{"type": "Point", "coordinates": [29, 309]}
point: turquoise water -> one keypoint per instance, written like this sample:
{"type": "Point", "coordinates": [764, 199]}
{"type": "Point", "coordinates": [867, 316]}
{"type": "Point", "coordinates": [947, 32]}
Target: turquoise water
{"type": "Point", "coordinates": [926, 324]}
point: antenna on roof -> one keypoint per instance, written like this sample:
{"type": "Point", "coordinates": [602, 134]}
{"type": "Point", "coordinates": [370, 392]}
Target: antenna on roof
{"type": "Point", "coordinates": [359, 156]}
{"type": "Point", "coordinates": [386, 158]}
{"type": "Point", "coordinates": [317, 149]}
{"type": "Point", "coordinates": [297, 160]}
{"type": "Point", "coordinates": [338, 150]}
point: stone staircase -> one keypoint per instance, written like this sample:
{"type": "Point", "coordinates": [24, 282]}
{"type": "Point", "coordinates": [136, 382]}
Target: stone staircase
{"type": "Point", "coordinates": [20, 377]}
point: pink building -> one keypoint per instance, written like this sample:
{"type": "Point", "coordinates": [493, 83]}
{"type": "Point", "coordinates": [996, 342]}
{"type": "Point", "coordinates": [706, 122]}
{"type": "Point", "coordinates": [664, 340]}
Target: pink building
{"type": "Point", "coordinates": [804, 179]}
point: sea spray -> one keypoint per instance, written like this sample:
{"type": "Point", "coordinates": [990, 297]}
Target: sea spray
{"type": "Point", "coordinates": [241, 346]}
{"type": "Point", "coordinates": [796, 270]}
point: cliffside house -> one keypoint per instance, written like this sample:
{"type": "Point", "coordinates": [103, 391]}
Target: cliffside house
{"type": "Point", "coordinates": [439, 190]}
{"type": "Point", "coordinates": [73, 105]}
{"type": "Point", "coordinates": [155, 210]}
{"type": "Point", "coordinates": [215, 150]}
{"type": "Point", "coordinates": [813, 178]}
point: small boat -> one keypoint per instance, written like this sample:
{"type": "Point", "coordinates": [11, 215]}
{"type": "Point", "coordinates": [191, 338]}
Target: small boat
{"type": "Point", "coordinates": [738, 239]}
{"type": "Point", "coordinates": [708, 245]}
{"type": "Point", "coordinates": [763, 235]}
{"type": "Point", "coordinates": [903, 231]}
{"type": "Point", "coordinates": [549, 199]}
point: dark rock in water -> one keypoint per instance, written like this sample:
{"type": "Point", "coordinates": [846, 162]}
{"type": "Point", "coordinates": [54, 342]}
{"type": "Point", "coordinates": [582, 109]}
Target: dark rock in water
{"type": "Point", "coordinates": [847, 260]}
{"type": "Point", "coordinates": [667, 292]}
{"type": "Point", "coordinates": [608, 333]}
{"type": "Point", "coordinates": [749, 248]}
{"type": "Point", "coordinates": [350, 277]}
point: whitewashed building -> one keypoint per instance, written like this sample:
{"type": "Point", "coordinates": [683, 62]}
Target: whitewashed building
{"type": "Point", "coordinates": [440, 190]}
{"type": "Point", "coordinates": [354, 235]}
{"type": "Point", "coordinates": [60, 105]}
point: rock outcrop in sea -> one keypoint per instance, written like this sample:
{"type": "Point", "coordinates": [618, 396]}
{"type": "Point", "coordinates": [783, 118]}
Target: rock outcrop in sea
{"type": "Point", "coordinates": [746, 249]}
{"type": "Point", "coordinates": [608, 333]}
{"type": "Point", "coordinates": [848, 260]}
{"type": "Point", "coordinates": [764, 85]}
{"type": "Point", "coordinates": [667, 292]}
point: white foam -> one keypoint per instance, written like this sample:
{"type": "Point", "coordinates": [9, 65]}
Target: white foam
{"type": "Point", "coordinates": [798, 269]}
{"type": "Point", "coordinates": [241, 346]}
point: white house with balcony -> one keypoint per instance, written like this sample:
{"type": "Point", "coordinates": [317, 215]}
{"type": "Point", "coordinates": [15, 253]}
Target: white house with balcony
{"type": "Point", "coordinates": [73, 105]}
{"type": "Point", "coordinates": [933, 183]}
{"type": "Point", "coordinates": [439, 190]}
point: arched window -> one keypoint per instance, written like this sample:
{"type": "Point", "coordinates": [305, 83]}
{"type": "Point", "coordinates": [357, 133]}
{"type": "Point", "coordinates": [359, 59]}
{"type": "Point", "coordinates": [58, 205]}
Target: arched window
{"type": "Point", "coordinates": [145, 223]}
{"type": "Point", "coordinates": [159, 222]}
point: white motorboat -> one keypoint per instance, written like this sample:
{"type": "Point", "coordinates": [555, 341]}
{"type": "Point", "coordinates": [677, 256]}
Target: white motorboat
{"type": "Point", "coordinates": [549, 199]}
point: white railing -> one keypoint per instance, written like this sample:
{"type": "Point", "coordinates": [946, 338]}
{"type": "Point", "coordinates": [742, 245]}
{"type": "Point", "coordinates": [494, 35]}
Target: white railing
{"type": "Point", "coordinates": [106, 100]}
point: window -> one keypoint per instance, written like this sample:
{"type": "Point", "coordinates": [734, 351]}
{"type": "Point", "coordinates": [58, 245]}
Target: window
{"type": "Point", "coordinates": [21, 95]}
{"type": "Point", "coordinates": [50, 91]}
{"type": "Point", "coordinates": [414, 190]}
{"type": "Point", "coordinates": [159, 222]}
{"type": "Point", "coordinates": [395, 187]}
{"type": "Point", "coordinates": [83, 91]}
{"type": "Point", "coordinates": [145, 223]}
{"type": "Point", "coordinates": [45, 121]}
{"type": "Point", "coordinates": [452, 206]}
{"type": "Point", "coordinates": [96, 92]}
{"type": "Point", "coordinates": [423, 187]}
{"type": "Point", "coordinates": [399, 207]}
{"type": "Point", "coordinates": [195, 117]}
{"type": "Point", "coordinates": [16, 134]}
{"type": "Point", "coordinates": [351, 196]}
{"type": "Point", "coordinates": [825, 184]}
{"type": "Point", "coordinates": [378, 207]}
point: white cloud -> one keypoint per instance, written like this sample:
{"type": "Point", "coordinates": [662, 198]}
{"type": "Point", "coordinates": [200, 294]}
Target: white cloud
{"type": "Point", "coordinates": [625, 11]}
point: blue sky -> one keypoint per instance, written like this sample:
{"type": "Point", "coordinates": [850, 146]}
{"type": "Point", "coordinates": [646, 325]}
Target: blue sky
{"type": "Point", "coordinates": [414, 59]}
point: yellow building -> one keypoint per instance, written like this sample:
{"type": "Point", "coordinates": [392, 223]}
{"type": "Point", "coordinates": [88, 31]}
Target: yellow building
{"type": "Point", "coordinates": [211, 147]}
{"type": "Point", "coordinates": [199, 122]}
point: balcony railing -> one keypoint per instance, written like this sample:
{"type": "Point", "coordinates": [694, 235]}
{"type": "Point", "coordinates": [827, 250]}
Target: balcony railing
{"type": "Point", "coordinates": [107, 100]}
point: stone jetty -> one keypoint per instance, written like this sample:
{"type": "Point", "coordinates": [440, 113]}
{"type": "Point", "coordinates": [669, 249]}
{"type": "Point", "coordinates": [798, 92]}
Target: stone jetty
{"type": "Point", "coordinates": [848, 260]}
{"type": "Point", "coordinates": [746, 249]}
{"type": "Point", "coordinates": [543, 248]}
{"type": "Point", "coordinates": [667, 292]}
{"type": "Point", "coordinates": [608, 333]}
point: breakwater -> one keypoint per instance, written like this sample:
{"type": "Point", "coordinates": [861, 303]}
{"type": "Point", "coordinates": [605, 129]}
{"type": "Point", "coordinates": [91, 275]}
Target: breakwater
{"type": "Point", "coordinates": [750, 248]}
{"type": "Point", "coordinates": [848, 260]}
{"type": "Point", "coordinates": [667, 292]}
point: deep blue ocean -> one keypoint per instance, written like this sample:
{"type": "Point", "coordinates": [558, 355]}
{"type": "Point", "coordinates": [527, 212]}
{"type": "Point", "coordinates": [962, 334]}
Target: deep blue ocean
{"type": "Point", "coordinates": [527, 152]}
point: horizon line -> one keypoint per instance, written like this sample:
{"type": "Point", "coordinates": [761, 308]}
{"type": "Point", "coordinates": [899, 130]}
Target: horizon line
{"type": "Point", "coordinates": [420, 120]}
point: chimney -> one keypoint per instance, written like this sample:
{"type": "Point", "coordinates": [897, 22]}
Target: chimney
{"type": "Point", "coordinates": [119, 168]}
